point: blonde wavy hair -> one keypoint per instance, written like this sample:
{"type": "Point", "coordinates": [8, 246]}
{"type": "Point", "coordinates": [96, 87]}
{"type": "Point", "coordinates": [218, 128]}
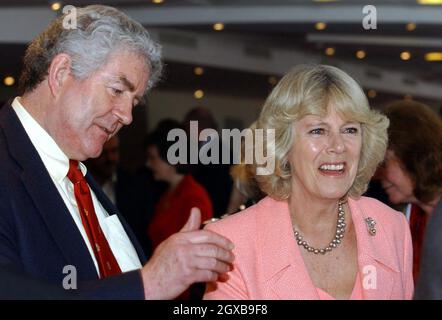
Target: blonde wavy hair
{"type": "Point", "coordinates": [313, 90]}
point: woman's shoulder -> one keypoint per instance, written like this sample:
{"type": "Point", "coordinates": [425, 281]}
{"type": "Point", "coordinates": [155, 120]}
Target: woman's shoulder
{"type": "Point", "coordinates": [248, 221]}
{"type": "Point", "coordinates": [380, 212]}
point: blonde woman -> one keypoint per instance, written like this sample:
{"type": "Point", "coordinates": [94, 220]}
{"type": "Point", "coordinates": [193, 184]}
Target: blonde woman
{"type": "Point", "coordinates": [314, 236]}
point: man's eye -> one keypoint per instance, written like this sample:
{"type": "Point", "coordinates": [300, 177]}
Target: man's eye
{"type": "Point", "coordinates": [116, 91]}
{"type": "Point", "coordinates": [317, 131]}
{"type": "Point", "coordinates": [351, 130]}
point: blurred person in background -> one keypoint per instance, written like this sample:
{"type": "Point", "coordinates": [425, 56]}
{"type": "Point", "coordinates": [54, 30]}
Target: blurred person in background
{"type": "Point", "coordinates": [182, 193]}
{"type": "Point", "coordinates": [245, 190]}
{"type": "Point", "coordinates": [215, 178]}
{"type": "Point", "coordinates": [412, 169]}
{"type": "Point", "coordinates": [429, 284]}
{"type": "Point", "coordinates": [105, 168]}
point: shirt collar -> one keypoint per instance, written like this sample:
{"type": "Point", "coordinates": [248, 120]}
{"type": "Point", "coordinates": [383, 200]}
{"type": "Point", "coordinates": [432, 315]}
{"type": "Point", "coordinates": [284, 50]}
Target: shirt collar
{"type": "Point", "coordinates": [54, 159]}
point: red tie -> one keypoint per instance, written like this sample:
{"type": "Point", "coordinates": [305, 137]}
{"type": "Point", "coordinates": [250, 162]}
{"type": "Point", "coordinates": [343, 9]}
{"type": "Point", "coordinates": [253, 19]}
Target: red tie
{"type": "Point", "coordinates": [107, 264]}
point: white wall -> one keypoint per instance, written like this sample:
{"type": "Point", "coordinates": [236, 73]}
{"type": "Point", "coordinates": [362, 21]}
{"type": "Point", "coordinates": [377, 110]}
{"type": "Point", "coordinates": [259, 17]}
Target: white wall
{"type": "Point", "coordinates": [172, 104]}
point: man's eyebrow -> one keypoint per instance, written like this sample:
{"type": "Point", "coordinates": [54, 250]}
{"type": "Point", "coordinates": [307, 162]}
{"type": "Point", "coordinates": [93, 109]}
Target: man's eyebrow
{"type": "Point", "coordinates": [127, 83]}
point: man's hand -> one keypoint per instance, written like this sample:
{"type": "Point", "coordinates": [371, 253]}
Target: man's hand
{"type": "Point", "coordinates": [189, 256]}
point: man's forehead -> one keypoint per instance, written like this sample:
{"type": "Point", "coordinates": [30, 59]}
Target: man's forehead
{"type": "Point", "coordinates": [125, 79]}
{"type": "Point", "coordinates": [127, 65]}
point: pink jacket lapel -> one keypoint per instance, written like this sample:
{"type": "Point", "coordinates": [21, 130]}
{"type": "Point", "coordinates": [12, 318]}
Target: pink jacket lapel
{"type": "Point", "coordinates": [283, 267]}
{"type": "Point", "coordinates": [376, 265]}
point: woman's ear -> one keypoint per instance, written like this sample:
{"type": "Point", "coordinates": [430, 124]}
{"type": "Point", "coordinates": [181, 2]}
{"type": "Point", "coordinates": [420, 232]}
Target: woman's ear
{"type": "Point", "coordinates": [58, 73]}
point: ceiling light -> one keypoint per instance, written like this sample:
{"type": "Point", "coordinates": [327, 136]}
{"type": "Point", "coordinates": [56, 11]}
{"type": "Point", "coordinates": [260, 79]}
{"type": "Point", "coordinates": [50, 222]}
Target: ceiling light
{"type": "Point", "coordinates": [55, 6]}
{"type": "Point", "coordinates": [372, 94]}
{"type": "Point", "coordinates": [198, 94]}
{"type": "Point", "coordinates": [198, 71]}
{"type": "Point", "coordinates": [405, 55]}
{"type": "Point", "coordinates": [273, 80]}
{"type": "Point", "coordinates": [430, 2]}
{"type": "Point", "coordinates": [433, 56]}
{"type": "Point", "coordinates": [330, 51]}
{"type": "Point", "coordinates": [157, 1]}
{"type": "Point", "coordinates": [410, 26]}
{"type": "Point", "coordinates": [360, 54]}
{"type": "Point", "coordinates": [408, 97]}
{"type": "Point", "coordinates": [218, 26]}
{"type": "Point", "coordinates": [320, 25]}
{"type": "Point", "coordinates": [9, 81]}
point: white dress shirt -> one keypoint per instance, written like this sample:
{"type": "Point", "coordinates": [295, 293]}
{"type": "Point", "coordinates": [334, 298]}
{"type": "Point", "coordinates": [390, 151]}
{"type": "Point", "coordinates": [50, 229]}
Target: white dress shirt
{"type": "Point", "coordinates": [57, 165]}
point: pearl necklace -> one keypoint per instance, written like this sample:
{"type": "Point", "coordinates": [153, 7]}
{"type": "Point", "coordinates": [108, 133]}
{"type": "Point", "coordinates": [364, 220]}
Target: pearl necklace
{"type": "Point", "coordinates": [340, 229]}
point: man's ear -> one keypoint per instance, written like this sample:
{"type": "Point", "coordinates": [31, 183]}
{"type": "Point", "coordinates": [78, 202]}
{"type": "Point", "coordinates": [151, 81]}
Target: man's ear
{"type": "Point", "coordinates": [58, 73]}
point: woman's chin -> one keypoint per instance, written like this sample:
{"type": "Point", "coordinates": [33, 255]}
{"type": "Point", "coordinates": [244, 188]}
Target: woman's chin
{"type": "Point", "coordinates": [334, 194]}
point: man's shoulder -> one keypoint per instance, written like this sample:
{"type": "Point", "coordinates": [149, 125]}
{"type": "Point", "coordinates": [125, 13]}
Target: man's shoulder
{"type": "Point", "coordinates": [5, 159]}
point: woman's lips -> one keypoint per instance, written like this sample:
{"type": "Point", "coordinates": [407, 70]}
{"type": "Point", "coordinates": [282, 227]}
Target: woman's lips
{"type": "Point", "coordinates": [333, 169]}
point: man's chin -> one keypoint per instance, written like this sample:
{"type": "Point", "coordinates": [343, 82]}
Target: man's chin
{"type": "Point", "coordinates": [93, 153]}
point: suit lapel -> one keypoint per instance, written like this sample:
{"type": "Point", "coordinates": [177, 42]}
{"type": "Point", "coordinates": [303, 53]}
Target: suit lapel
{"type": "Point", "coordinates": [45, 196]}
{"type": "Point", "coordinates": [376, 267]}
{"type": "Point", "coordinates": [284, 270]}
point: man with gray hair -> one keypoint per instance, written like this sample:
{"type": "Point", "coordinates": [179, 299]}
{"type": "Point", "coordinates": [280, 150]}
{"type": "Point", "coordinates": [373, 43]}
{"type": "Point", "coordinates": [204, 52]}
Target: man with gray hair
{"type": "Point", "coordinates": [78, 88]}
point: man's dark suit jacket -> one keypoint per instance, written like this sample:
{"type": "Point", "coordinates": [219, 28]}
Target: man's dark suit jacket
{"type": "Point", "coordinates": [15, 285]}
{"type": "Point", "coordinates": [38, 236]}
{"type": "Point", "coordinates": [429, 285]}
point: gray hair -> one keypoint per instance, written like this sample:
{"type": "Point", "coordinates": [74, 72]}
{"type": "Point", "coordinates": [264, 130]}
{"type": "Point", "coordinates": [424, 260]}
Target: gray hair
{"type": "Point", "coordinates": [100, 31]}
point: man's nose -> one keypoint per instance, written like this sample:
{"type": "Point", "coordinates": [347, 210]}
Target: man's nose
{"type": "Point", "coordinates": [124, 113]}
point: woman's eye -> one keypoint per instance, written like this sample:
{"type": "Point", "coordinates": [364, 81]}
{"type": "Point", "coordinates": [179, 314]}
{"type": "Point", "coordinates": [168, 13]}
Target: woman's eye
{"type": "Point", "coordinates": [317, 131]}
{"type": "Point", "coordinates": [351, 130]}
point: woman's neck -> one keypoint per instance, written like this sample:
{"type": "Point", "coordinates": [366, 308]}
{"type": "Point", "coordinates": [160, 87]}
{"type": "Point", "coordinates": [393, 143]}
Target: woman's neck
{"type": "Point", "coordinates": [175, 180]}
{"type": "Point", "coordinates": [312, 215]}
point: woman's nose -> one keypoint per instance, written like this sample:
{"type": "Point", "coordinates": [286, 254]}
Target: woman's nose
{"type": "Point", "coordinates": [336, 143]}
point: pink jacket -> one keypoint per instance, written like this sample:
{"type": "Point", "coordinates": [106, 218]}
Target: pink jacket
{"type": "Point", "coordinates": [269, 265]}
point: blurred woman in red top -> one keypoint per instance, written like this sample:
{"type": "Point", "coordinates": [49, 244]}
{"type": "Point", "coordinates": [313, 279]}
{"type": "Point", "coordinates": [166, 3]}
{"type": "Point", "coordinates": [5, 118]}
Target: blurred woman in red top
{"type": "Point", "coordinates": [183, 193]}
